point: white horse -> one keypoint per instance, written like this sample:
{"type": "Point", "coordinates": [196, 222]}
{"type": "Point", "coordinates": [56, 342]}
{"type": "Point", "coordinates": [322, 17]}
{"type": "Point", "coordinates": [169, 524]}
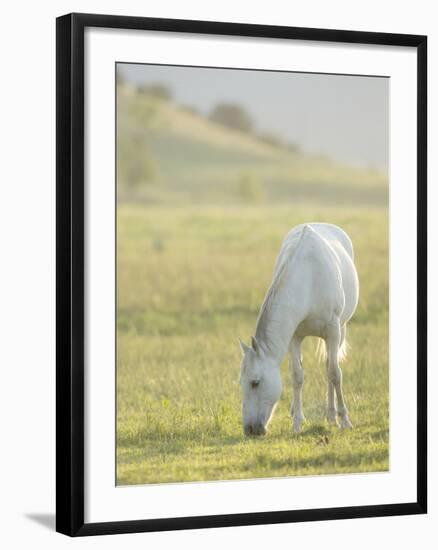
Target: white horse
{"type": "Point", "coordinates": [314, 292]}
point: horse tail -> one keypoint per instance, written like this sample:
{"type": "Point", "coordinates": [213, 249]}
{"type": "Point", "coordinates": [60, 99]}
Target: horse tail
{"type": "Point", "coordinates": [321, 348]}
{"type": "Point", "coordinates": [321, 351]}
{"type": "Point", "coordinates": [342, 353]}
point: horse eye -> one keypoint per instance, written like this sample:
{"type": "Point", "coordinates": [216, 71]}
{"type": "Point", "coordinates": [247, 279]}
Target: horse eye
{"type": "Point", "coordinates": [255, 383]}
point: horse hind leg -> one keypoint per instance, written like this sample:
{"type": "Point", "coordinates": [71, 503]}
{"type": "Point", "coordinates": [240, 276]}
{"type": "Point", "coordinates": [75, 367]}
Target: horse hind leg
{"type": "Point", "coordinates": [334, 341]}
{"type": "Point", "coordinates": [331, 405]}
{"type": "Point", "coordinates": [297, 383]}
{"type": "Point", "coordinates": [331, 400]}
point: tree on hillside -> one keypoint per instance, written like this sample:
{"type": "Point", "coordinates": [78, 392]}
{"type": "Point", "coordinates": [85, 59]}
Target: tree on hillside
{"type": "Point", "coordinates": [250, 187]}
{"type": "Point", "coordinates": [233, 116]}
{"type": "Point", "coordinates": [272, 139]}
{"type": "Point", "coordinates": [278, 141]}
{"type": "Point", "coordinates": [293, 147]}
{"type": "Point", "coordinates": [136, 166]}
{"type": "Point", "coordinates": [161, 91]}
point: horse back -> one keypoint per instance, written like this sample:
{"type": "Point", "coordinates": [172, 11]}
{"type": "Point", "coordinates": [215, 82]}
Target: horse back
{"type": "Point", "coordinates": [330, 232]}
{"type": "Point", "coordinates": [324, 254]}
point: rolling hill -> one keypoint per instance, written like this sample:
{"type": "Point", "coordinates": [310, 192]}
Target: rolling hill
{"type": "Point", "coordinates": [167, 153]}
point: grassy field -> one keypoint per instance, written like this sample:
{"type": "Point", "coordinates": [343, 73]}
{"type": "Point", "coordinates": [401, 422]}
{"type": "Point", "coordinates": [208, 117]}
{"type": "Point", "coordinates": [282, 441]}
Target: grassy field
{"type": "Point", "coordinates": [190, 282]}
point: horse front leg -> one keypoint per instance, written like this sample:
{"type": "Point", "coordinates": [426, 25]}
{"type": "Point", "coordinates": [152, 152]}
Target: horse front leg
{"type": "Point", "coordinates": [297, 383]}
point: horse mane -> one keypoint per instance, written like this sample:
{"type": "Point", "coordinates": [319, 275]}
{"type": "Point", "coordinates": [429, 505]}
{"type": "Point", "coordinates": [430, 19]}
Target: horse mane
{"type": "Point", "coordinates": [283, 263]}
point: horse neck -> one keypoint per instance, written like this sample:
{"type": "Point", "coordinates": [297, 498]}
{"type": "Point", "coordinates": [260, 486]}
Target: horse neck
{"type": "Point", "coordinates": [276, 325]}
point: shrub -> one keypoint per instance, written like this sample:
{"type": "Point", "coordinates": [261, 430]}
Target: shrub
{"type": "Point", "coordinates": [250, 187]}
{"type": "Point", "coordinates": [135, 164]}
{"type": "Point", "coordinates": [160, 91]}
{"type": "Point", "coordinates": [233, 116]}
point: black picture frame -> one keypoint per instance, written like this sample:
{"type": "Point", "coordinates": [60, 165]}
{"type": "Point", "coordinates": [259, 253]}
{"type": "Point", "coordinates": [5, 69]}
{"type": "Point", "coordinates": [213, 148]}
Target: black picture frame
{"type": "Point", "coordinates": [70, 272]}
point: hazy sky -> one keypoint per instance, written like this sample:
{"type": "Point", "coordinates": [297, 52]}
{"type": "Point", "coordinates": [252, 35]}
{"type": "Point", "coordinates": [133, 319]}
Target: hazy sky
{"type": "Point", "coordinates": [344, 117]}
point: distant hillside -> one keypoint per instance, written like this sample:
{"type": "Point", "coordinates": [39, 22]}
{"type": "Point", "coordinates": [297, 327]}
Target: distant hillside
{"type": "Point", "coordinates": [168, 153]}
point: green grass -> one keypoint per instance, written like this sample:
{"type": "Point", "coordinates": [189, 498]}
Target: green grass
{"type": "Point", "coordinates": [190, 282]}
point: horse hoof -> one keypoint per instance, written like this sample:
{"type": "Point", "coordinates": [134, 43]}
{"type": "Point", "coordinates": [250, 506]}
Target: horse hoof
{"type": "Point", "coordinates": [331, 419]}
{"type": "Point", "coordinates": [297, 425]}
{"type": "Point", "coordinates": [345, 423]}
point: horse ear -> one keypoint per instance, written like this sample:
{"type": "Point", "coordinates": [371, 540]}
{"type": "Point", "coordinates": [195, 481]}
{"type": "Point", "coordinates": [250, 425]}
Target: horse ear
{"type": "Point", "coordinates": [254, 344]}
{"type": "Point", "coordinates": [244, 347]}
